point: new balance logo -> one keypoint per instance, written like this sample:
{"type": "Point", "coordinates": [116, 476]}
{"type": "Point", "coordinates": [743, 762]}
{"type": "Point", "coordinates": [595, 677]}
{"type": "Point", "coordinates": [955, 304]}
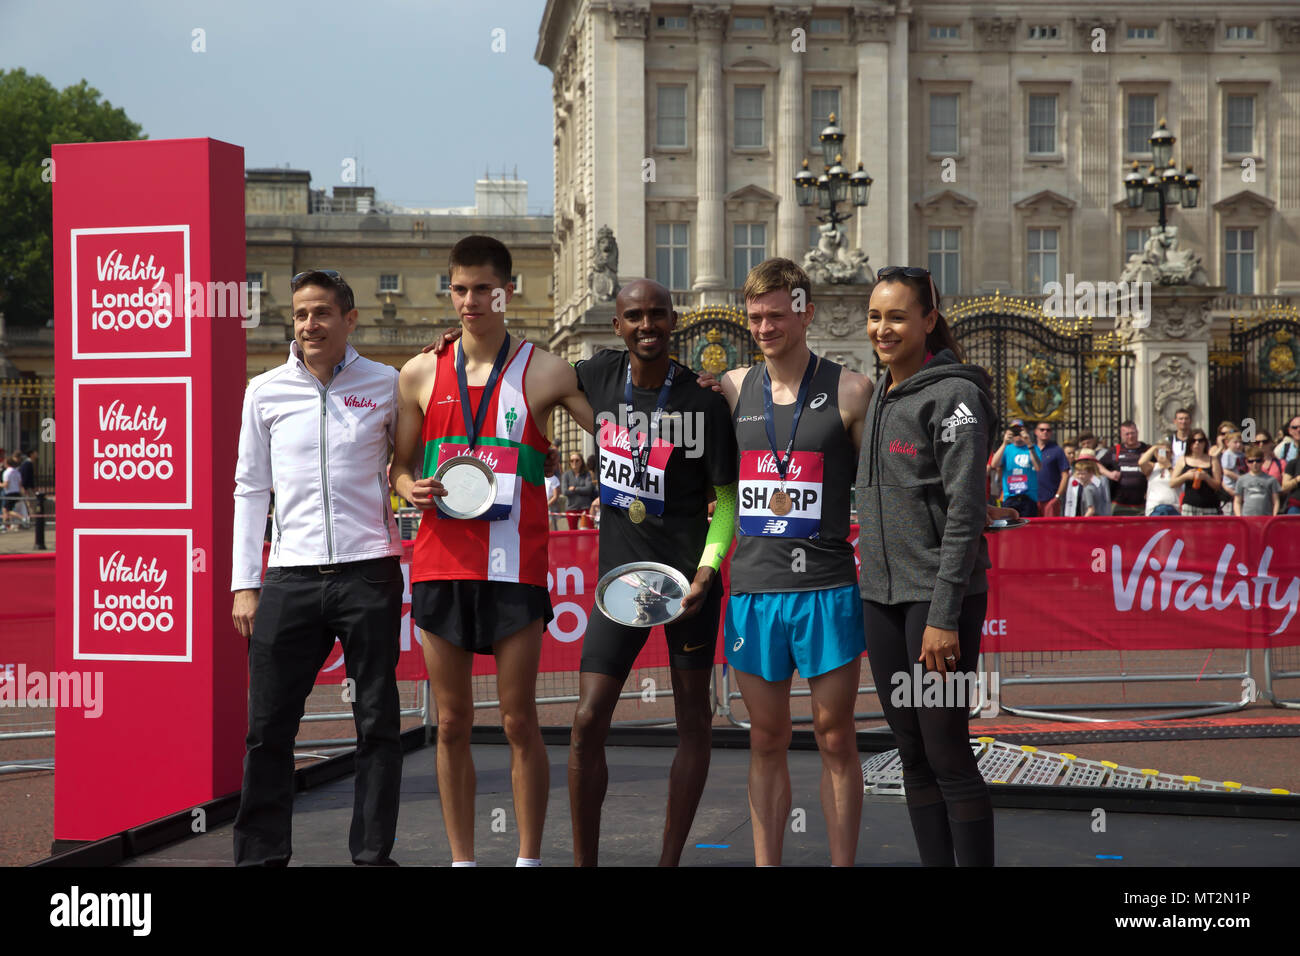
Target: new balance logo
{"type": "Point", "coordinates": [961, 415]}
{"type": "Point", "coordinates": [622, 500]}
{"type": "Point", "coordinates": [775, 526]}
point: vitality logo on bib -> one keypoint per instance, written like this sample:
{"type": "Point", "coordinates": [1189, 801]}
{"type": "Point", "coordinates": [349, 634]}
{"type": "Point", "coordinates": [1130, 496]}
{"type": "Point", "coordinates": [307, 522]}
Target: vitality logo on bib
{"type": "Point", "coordinates": [504, 462]}
{"type": "Point", "coordinates": [760, 480]}
{"type": "Point", "coordinates": [617, 486]}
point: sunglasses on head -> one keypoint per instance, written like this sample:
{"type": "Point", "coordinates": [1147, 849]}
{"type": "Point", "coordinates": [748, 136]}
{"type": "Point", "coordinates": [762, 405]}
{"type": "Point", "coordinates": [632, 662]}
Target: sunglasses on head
{"type": "Point", "coordinates": [912, 272]}
{"type": "Point", "coordinates": [327, 272]}
{"type": "Point", "coordinates": [337, 278]}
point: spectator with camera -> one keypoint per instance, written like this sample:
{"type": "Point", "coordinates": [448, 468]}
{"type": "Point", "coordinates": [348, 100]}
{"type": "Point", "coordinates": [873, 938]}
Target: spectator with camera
{"type": "Point", "coordinates": [1015, 463]}
{"type": "Point", "coordinates": [1157, 464]}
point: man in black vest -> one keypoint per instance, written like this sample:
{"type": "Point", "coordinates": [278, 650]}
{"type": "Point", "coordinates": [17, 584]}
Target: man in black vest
{"type": "Point", "coordinates": [1129, 493]}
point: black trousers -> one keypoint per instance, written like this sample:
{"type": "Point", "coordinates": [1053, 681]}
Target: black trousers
{"type": "Point", "coordinates": [299, 613]}
{"type": "Point", "coordinates": [947, 798]}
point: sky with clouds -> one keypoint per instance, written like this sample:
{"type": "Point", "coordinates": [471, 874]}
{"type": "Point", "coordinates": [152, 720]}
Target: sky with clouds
{"type": "Point", "coordinates": [412, 88]}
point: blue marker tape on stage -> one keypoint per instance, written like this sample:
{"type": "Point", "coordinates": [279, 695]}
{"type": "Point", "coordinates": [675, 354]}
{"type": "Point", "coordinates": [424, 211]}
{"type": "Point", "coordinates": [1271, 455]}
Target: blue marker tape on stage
{"type": "Point", "coordinates": [713, 846]}
{"type": "Point", "coordinates": [1104, 856]}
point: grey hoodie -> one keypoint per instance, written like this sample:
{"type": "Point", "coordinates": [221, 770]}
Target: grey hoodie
{"type": "Point", "coordinates": [921, 489]}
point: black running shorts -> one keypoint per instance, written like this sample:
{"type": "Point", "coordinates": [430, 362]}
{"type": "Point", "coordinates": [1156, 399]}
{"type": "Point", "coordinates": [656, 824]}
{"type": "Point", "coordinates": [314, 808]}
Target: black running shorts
{"type": "Point", "coordinates": [474, 615]}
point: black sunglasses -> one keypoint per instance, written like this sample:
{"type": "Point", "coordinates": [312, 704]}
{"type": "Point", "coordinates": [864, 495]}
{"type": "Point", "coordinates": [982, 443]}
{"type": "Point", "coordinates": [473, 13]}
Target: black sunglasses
{"type": "Point", "coordinates": [912, 272]}
{"type": "Point", "coordinates": [1254, 461]}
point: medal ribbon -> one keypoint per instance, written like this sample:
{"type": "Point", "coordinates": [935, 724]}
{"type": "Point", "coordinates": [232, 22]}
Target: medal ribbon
{"type": "Point", "coordinates": [769, 415]}
{"type": "Point", "coordinates": [474, 426]}
{"type": "Point", "coordinates": [641, 455]}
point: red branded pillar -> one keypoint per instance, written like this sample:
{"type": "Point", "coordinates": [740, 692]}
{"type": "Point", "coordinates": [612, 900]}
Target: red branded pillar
{"type": "Point", "coordinates": [149, 368]}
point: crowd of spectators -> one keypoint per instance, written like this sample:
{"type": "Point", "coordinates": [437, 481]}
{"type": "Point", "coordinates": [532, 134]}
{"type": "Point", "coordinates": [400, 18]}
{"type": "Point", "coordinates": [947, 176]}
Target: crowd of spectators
{"type": "Point", "coordinates": [1183, 472]}
{"type": "Point", "coordinates": [573, 493]}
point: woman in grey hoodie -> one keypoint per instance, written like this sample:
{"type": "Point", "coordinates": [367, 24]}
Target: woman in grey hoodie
{"type": "Point", "coordinates": [921, 511]}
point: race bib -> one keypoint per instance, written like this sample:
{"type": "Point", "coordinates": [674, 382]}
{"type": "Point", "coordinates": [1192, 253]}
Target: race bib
{"type": "Point", "coordinates": [617, 487]}
{"type": "Point", "coordinates": [759, 480]}
{"type": "Point", "coordinates": [1018, 473]}
{"type": "Point", "coordinates": [504, 462]}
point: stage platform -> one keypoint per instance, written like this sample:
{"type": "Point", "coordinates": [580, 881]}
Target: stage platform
{"type": "Point", "coordinates": [634, 810]}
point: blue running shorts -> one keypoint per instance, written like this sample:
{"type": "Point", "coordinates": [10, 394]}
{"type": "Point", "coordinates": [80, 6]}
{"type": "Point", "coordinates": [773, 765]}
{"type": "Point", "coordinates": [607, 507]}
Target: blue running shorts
{"type": "Point", "coordinates": [772, 633]}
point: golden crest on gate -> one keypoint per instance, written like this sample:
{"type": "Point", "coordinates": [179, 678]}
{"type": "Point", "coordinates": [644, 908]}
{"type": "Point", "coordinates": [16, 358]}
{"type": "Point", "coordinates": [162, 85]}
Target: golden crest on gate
{"type": "Point", "coordinates": [1039, 390]}
{"type": "Point", "coordinates": [1280, 364]}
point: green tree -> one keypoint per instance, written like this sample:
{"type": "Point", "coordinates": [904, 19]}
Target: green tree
{"type": "Point", "coordinates": [34, 115]}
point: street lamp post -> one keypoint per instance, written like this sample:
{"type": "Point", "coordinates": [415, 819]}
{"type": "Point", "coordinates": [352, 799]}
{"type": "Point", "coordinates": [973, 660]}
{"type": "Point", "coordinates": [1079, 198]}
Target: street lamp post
{"type": "Point", "coordinates": [1156, 191]}
{"type": "Point", "coordinates": [836, 184]}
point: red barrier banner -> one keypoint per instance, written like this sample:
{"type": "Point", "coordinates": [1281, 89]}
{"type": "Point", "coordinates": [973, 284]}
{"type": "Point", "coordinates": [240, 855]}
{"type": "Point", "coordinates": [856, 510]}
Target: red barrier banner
{"type": "Point", "coordinates": [27, 635]}
{"type": "Point", "coordinates": [1144, 584]}
{"type": "Point", "coordinates": [572, 582]}
{"type": "Point", "coordinates": [1058, 584]}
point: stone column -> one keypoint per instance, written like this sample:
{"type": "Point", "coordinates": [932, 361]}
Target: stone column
{"type": "Point", "coordinates": [1171, 352]}
{"type": "Point", "coordinates": [710, 152]}
{"type": "Point", "coordinates": [791, 238]}
{"type": "Point", "coordinates": [878, 87]}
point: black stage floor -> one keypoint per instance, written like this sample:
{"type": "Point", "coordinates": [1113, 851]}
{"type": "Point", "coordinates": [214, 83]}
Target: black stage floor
{"type": "Point", "coordinates": [634, 809]}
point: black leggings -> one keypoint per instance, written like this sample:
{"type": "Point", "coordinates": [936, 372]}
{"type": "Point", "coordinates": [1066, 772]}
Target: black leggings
{"type": "Point", "coordinates": [947, 799]}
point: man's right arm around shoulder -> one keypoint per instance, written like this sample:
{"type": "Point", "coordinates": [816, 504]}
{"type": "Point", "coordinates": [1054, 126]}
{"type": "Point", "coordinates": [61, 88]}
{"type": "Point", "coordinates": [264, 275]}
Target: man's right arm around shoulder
{"type": "Point", "coordinates": [252, 498]}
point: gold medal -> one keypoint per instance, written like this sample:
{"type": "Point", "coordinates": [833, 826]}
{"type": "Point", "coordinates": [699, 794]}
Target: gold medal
{"type": "Point", "coordinates": [636, 511]}
{"type": "Point", "coordinates": [780, 503]}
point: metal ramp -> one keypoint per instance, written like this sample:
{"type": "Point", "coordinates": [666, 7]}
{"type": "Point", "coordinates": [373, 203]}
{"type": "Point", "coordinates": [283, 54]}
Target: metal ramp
{"type": "Point", "coordinates": [882, 774]}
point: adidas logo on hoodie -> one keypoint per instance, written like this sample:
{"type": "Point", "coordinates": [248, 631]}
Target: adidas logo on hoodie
{"type": "Point", "coordinates": [961, 415]}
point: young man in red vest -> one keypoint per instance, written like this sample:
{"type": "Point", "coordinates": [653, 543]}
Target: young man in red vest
{"type": "Point", "coordinates": [479, 584]}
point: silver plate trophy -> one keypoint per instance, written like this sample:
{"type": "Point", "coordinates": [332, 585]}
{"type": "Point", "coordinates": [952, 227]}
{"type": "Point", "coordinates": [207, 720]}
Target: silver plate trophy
{"type": "Point", "coordinates": [642, 594]}
{"type": "Point", "coordinates": [471, 487]}
{"type": "Point", "coordinates": [1006, 524]}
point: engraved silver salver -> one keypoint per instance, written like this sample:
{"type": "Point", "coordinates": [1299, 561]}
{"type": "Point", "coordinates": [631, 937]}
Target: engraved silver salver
{"type": "Point", "coordinates": [1006, 524]}
{"type": "Point", "coordinates": [642, 594]}
{"type": "Point", "coordinates": [471, 487]}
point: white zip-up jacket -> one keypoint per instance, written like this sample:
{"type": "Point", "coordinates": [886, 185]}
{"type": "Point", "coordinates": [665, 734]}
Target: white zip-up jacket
{"type": "Point", "coordinates": [324, 450]}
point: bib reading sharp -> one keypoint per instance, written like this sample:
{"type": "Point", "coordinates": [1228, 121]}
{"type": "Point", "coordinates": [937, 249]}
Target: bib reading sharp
{"type": "Point", "coordinates": [819, 473]}
{"type": "Point", "coordinates": [760, 483]}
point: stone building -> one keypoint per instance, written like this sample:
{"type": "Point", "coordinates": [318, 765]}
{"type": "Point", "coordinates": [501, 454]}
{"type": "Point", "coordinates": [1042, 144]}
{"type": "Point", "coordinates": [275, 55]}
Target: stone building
{"type": "Point", "coordinates": [394, 259]}
{"type": "Point", "coordinates": [997, 135]}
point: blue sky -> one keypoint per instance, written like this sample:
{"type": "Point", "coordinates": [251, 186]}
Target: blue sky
{"type": "Point", "coordinates": [412, 88]}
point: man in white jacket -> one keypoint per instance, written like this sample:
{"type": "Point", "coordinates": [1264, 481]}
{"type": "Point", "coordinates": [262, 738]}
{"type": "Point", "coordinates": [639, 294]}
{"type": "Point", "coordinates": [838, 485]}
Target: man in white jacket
{"type": "Point", "coordinates": [318, 431]}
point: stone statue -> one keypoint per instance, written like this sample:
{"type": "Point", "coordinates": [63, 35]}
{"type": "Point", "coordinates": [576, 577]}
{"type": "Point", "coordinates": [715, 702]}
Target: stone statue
{"type": "Point", "coordinates": [833, 262]}
{"type": "Point", "coordinates": [1175, 387]}
{"type": "Point", "coordinates": [603, 279]}
{"type": "Point", "coordinates": [1163, 261]}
